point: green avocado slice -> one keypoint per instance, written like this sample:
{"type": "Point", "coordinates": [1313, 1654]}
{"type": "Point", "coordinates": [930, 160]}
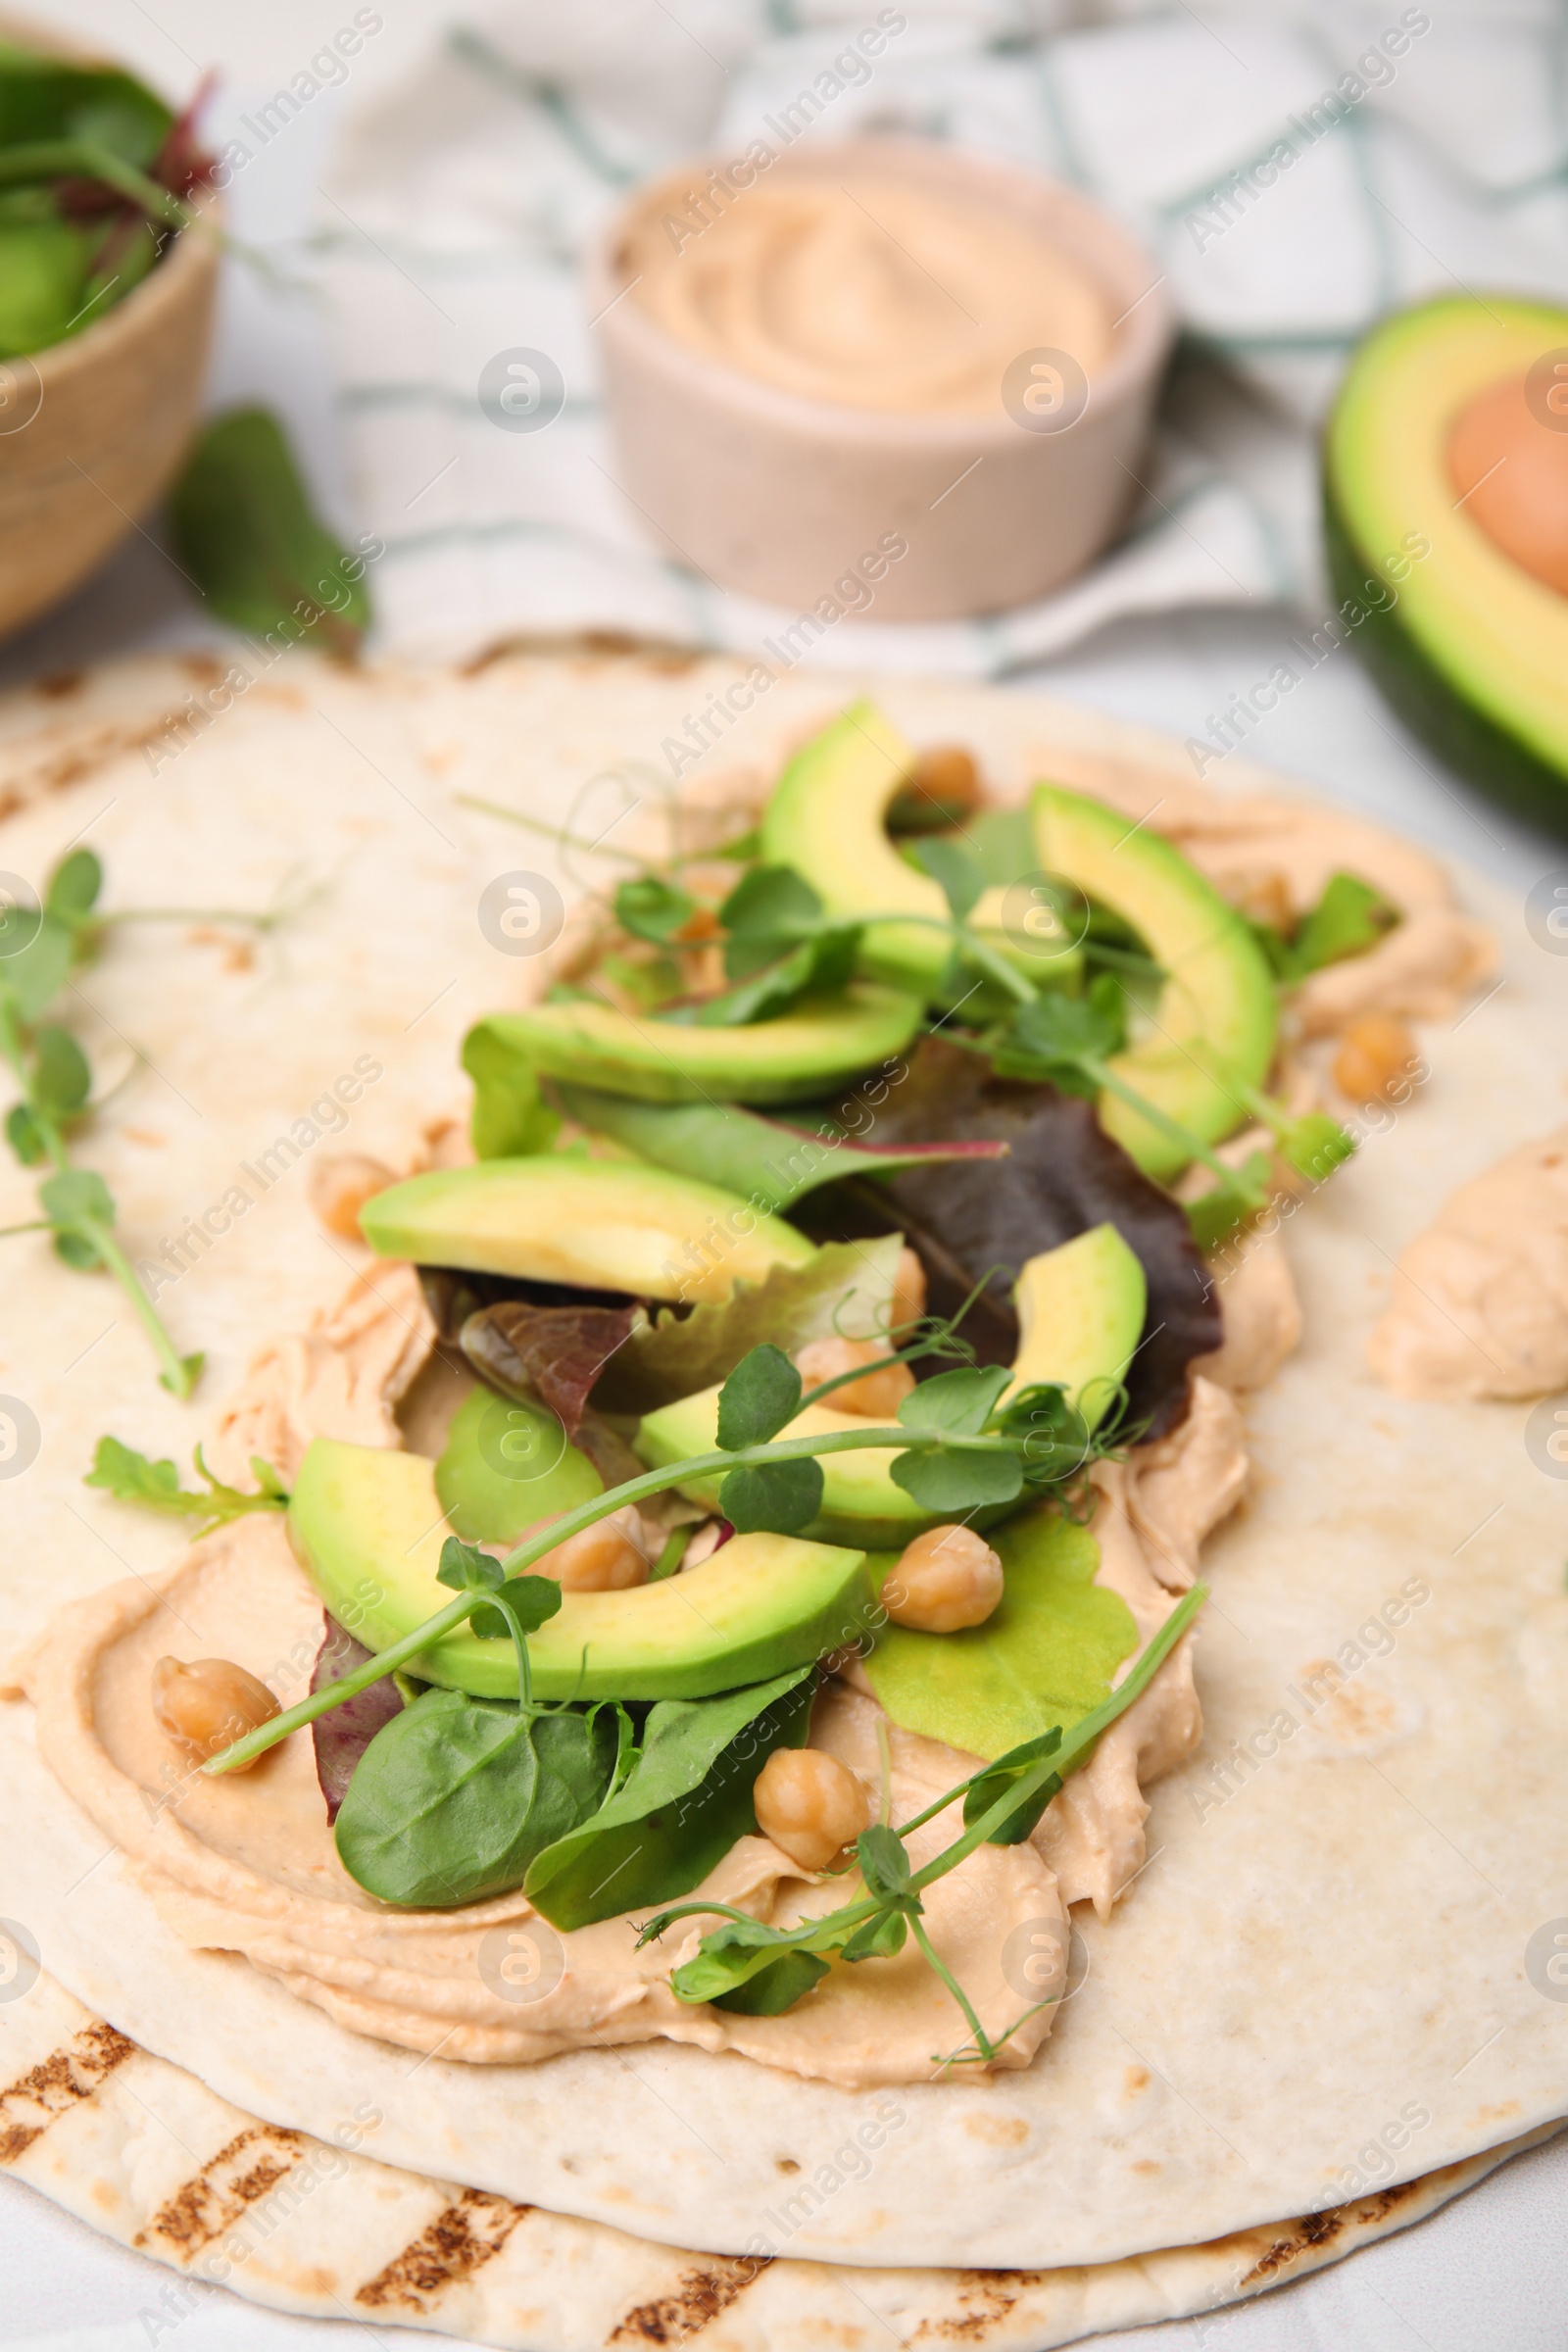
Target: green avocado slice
{"type": "Point", "coordinates": [367, 1529]}
{"type": "Point", "coordinates": [820, 1043]}
{"type": "Point", "coordinates": [827, 819]}
{"type": "Point", "coordinates": [1471, 651]}
{"type": "Point", "coordinates": [599, 1224]}
{"type": "Point", "coordinates": [1045, 1655]}
{"type": "Point", "coordinates": [507, 1466]}
{"type": "Point", "coordinates": [1217, 1012]}
{"type": "Point", "coordinates": [1081, 1311]}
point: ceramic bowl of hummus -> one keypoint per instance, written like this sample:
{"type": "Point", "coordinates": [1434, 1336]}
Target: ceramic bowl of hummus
{"type": "Point", "coordinates": [882, 372]}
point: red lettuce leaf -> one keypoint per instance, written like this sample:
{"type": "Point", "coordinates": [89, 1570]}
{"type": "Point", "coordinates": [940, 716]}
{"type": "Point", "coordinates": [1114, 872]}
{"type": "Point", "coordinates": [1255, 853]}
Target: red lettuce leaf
{"type": "Point", "coordinates": [341, 1738]}
{"type": "Point", "coordinates": [551, 1356]}
{"type": "Point", "coordinates": [1062, 1175]}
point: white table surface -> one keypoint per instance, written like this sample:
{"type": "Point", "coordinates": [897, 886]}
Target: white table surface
{"type": "Point", "coordinates": [1489, 2273]}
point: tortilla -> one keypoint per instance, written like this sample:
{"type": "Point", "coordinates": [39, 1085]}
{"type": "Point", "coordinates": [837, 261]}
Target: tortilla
{"type": "Point", "coordinates": [319, 2228]}
{"type": "Point", "coordinates": [1333, 1926]}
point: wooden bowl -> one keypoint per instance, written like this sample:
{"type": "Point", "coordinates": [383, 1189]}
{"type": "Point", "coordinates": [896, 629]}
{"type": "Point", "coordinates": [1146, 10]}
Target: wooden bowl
{"type": "Point", "coordinates": [92, 431]}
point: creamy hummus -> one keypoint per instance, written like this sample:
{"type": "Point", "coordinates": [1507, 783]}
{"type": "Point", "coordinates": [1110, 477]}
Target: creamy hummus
{"type": "Point", "coordinates": [868, 292]}
{"type": "Point", "coordinates": [249, 1866]}
{"type": "Point", "coordinates": [1480, 1304]}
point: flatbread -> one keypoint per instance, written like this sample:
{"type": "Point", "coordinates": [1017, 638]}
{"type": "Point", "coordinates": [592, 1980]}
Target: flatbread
{"type": "Point", "coordinates": [1327, 1936]}
{"type": "Point", "coordinates": [316, 2228]}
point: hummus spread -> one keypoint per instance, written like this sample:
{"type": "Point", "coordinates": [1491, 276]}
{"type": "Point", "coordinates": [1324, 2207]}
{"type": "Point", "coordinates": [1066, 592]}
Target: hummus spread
{"type": "Point", "coordinates": [248, 1865]}
{"type": "Point", "coordinates": [872, 294]}
{"type": "Point", "coordinates": [1480, 1304]}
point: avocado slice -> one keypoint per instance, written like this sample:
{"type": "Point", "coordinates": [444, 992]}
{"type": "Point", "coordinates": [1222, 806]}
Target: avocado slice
{"type": "Point", "coordinates": [506, 1466]}
{"type": "Point", "coordinates": [1081, 1313]}
{"type": "Point", "coordinates": [827, 818]}
{"type": "Point", "coordinates": [1217, 1012]}
{"type": "Point", "coordinates": [861, 1505]}
{"type": "Point", "coordinates": [600, 1224]}
{"type": "Point", "coordinates": [1468, 647]}
{"type": "Point", "coordinates": [367, 1530]}
{"type": "Point", "coordinates": [1044, 1656]}
{"type": "Point", "coordinates": [820, 1043]}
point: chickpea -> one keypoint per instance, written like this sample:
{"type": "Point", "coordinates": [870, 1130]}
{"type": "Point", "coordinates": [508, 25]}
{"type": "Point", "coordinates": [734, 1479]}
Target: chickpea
{"type": "Point", "coordinates": [809, 1804]}
{"type": "Point", "coordinates": [947, 1578]}
{"type": "Point", "coordinates": [909, 1290]}
{"type": "Point", "coordinates": [606, 1557]}
{"type": "Point", "coordinates": [947, 773]}
{"type": "Point", "coordinates": [1266, 899]}
{"type": "Point", "coordinates": [341, 1185]}
{"type": "Point", "coordinates": [878, 1396]}
{"type": "Point", "coordinates": [1374, 1053]}
{"type": "Point", "coordinates": [203, 1706]}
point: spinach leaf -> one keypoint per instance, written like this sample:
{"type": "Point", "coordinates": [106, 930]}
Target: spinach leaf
{"type": "Point", "coordinates": [686, 1801]}
{"type": "Point", "coordinates": [764, 1160]}
{"type": "Point", "coordinates": [245, 531]}
{"type": "Point", "coordinates": [454, 1800]}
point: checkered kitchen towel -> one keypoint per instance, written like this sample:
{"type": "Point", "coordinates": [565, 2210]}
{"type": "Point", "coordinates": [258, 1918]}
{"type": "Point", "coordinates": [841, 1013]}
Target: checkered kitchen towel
{"type": "Point", "coordinates": [1296, 172]}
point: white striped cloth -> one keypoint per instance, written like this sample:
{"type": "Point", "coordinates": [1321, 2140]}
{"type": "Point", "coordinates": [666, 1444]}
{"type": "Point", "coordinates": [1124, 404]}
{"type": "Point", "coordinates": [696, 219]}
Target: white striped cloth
{"type": "Point", "coordinates": [1296, 172]}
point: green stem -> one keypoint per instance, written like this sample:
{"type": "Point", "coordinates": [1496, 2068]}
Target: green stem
{"type": "Point", "coordinates": [537, 824]}
{"type": "Point", "coordinates": [189, 914]}
{"type": "Point", "coordinates": [940, 1968]}
{"type": "Point", "coordinates": [178, 1373]}
{"type": "Point", "coordinates": [33, 1225]}
{"type": "Point", "coordinates": [85, 159]}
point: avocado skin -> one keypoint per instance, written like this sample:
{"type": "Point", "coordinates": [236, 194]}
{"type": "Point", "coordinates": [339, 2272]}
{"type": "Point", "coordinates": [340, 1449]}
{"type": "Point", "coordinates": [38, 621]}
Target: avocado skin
{"type": "Point", "coordinates": [1465, 739]}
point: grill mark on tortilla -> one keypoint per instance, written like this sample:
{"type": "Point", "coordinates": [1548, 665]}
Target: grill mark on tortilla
{"type": "Point", "coordinates": [457, 2242]}
{"type": "Point", "coordinates": [700, 2297]}
{"type": "Point", "coordinates": [998, 2291]}
{"type": "Point", "coordinates": [1317, 2229]}
{"type": "Point", "coordinates": [60, 2083]}
{"type": "Point", "coordinates": [205, 2207]}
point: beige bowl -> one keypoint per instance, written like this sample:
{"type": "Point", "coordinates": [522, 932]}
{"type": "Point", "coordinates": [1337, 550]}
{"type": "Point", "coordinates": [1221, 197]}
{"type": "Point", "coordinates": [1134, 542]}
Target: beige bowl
{"type": "Point", "coordinates": [777, 496]}
{"type": "Point", "coordinates": [92, 431]}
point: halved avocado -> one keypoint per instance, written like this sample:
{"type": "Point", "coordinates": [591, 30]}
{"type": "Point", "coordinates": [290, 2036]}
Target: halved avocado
{"type": "Point", "coordinates": [819, 1043]}
{"type": "Point", "coordinates": [828, 820]}
{"type": "Point", "coordinates": [1045, 1655]}
{"type": "Point", "coordinates": [367, 1530]}
{"type": "Point", "coordinates": [1217, 1010]}
{"type": "Point", "coordinates": [506, 1466]}
{"type": "Point", "coordinates": [1470, 649]}
{"type": "Point", "coordinates": [602, 1224]}
{"type": "Point", "coordinates": [1081, 1311]}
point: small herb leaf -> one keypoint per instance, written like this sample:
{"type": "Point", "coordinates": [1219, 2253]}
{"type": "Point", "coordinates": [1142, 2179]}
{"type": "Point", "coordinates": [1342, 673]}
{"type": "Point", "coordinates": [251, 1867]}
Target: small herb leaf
{"type": "Point", "coordinates": [654, 909]}
{"type": "Point", "coordinates": [953, 1479]}
{"type": "Point", "coordinates": [958, 1403]}
{"type": "Point", "coordinates": [955, 870]}
{"type": "Point", "coordinates": [759, 1398]}
{"type": "Point", "coordinates": [777, 1498]}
